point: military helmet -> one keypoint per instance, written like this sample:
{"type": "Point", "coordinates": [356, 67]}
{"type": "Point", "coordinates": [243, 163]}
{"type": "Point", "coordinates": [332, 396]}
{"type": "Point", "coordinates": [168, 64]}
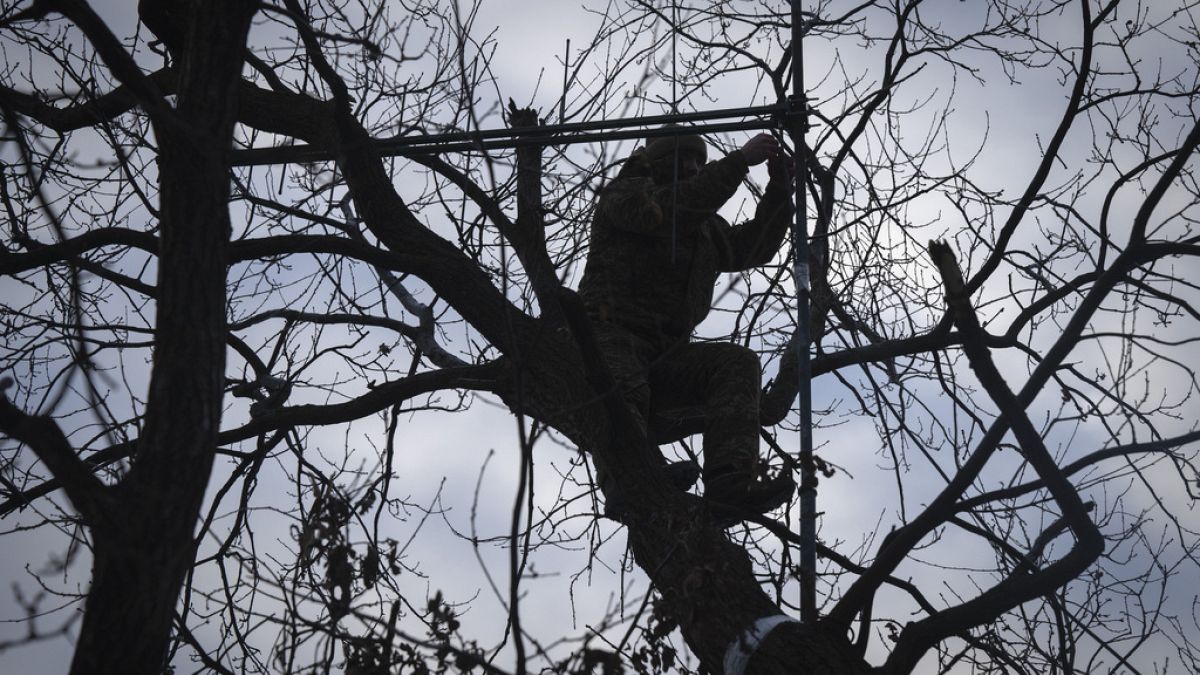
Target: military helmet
{"type": "Point", "coordinates": [664, 147]}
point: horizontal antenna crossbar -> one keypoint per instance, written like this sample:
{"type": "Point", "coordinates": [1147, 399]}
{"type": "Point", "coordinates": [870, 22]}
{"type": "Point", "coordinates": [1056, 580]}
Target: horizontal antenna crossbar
{"type": "Point", "coordinates": [763, 117]}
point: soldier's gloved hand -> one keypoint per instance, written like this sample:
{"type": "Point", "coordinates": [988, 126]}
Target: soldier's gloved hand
{"type": "Point", "coordinates": [781, 169]}
{"type": "Point", "coordinates": [760, 148]}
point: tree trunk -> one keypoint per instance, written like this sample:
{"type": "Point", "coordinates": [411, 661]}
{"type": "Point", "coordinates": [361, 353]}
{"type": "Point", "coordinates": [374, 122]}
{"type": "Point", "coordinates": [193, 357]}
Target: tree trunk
{"type": "Point", "coordinates": [137, 570]}
{"type": "Point", "coordinates": [143, 540]}
{"type": "Point", "coordinates": [707, 582]}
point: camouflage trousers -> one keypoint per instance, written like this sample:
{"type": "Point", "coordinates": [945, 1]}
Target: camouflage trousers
{"type": "Point", "coordinates": [720, 378]}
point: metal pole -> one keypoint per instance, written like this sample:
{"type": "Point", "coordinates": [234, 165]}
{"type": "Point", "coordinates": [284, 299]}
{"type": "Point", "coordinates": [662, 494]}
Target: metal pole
{"type": "Point", "coordinates": [798, 126]}
{"type": "Point", "coordinates": [761, 117]}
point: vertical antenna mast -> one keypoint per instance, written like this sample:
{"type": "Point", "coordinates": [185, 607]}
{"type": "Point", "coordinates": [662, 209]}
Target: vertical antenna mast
{"type": "Point", "coordinates": [797, 126]}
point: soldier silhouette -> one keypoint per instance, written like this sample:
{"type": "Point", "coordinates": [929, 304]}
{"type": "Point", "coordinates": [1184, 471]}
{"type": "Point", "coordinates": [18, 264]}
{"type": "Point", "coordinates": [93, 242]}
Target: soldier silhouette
{"type": "Point", "coordinates": [657, 247]}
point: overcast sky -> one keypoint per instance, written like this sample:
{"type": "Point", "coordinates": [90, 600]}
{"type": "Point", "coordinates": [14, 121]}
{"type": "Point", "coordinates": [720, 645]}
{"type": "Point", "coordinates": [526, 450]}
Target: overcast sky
{"type": "Point", "coordinates": [443, 453]}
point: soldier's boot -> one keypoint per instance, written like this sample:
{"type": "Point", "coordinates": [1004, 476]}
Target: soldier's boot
{"type": "Point", "coordinates": [681, 475]}
{"type": "Point", "coordinates": [737, 492]}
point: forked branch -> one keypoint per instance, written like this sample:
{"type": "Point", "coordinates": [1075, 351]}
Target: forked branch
{"type": "Point", "coordinates": [1023, 584]}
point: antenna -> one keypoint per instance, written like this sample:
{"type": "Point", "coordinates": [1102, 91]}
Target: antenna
{"type": "Point", "coordinates": [797, 118]}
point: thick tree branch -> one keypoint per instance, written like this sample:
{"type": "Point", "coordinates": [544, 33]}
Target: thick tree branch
{"type": "Point", "coordinates": [142, 87]}
{"type": "Point", "coordinates": [529, 235]}
{"type": "Point", "coordinates": [484, 377]}
{"type": "Point", "coordinates": [102, 108]}
{"type": "Point", "coordinates": [1026, 562]}
{"type": "Point", "coordinates": [1141, 221]}
{"type": "Point", "coordinates": [897, 546]}
{"type": "Point", "coordinates": [46, 439]}
{"type": "Point", "coordinates": [239, 251]}
{"type": "Point", "coordinates": [40, 254]}
{"type": "Point", "coordinates": [416, 249]}
{"type": "Point", "coordinates": [1022, 585]}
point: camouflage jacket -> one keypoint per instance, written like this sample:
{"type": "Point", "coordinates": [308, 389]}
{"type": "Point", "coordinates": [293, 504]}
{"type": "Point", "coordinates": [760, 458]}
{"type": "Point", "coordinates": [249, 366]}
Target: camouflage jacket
{"type": "Point", "coordinates": [656, 250]}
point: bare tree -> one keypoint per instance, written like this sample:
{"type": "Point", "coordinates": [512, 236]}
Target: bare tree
{"type": "Point", "coordinates": [219, 180]}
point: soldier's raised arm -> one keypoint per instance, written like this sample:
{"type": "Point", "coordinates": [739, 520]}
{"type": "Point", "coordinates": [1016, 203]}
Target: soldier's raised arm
{"type": "Point", "coordinates": [667, 188]}
{"type": "Point", "coordinates": [693, 200]}
{"type": "Point", "coordinates": [697, 198]}
{"type": "Point", "coordinates": [755, 242]}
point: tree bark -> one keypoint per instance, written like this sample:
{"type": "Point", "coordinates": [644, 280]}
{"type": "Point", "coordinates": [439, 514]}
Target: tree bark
{"type": "Point", "coordinates": [143, 545]}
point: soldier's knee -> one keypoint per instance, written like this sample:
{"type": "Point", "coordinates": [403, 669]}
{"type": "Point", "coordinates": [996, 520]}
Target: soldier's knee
{"type": "Point", "coordinates": [738, 359]}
